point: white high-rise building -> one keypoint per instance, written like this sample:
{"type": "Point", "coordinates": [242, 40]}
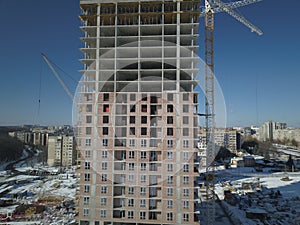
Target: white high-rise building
{"type": "Point", "coordinates": [61, 151]}
{"type": "Point", "coordinates": [266, 131]}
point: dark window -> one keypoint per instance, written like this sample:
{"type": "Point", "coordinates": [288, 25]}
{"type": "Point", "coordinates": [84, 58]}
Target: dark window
{"type": "Point", "coordinates": [170, 120]}
{"type": "Point", "coordinates": [105, 119]}
{"type": "Point", "coordinates": [132, 131]}
{"type": "Point", "coordinates": [105, 97]}
{"type": "Point", "coordinates": [143, 131]}
{"type": "Point", "coordinates": [170, 131]}
{"type": "Point", "coordinates": [169, 108]}
{"type": "Point", "coordinates": [132, 119]}
{"type": "Point", "coordinates": [144, 97]}
{"type": "Point", "coordinates": [195, 98]}
{"type": "Point", "coordinates": [132, 108]}
{"type": "Point", "coordinates": [105, 130]}
{"type": "Point", "coordinates": [144, 119]}
{"type": "Point", "coordinates": [105, 142]}
{"type": "Point", "coordinates": [153, 99]}
{"type": "Point", "coordinates": [144, 108]}
{"type": "Point", "coordinates": [105, 108]}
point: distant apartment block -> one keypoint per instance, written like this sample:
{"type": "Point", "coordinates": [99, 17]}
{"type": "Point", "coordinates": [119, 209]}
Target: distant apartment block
{"type": "Point", "coordinates": [224, 137]}
{"type": "Point", "coordinates": [287, 134]}
{"type": "Point", "coordinates": [61, 151]}
{"type": "Point", "coordinates": [137, 130]}
{"type": "Point", "coordinates": [31, 137]}
{"type": "Point", "coordinates": [266, 131]}
{"type": "Point", "coordinates": [54, 150]}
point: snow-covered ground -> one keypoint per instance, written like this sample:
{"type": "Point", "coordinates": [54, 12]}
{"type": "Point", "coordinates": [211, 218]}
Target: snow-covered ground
{"type": "Point", "coordinates": [61, 185]}
{"type": "Point", "coordinates": [289, 189]}
{"type": "Point", "coordinates": [273, 195]}
{"type": "Point", "coordinates": [29, 189]}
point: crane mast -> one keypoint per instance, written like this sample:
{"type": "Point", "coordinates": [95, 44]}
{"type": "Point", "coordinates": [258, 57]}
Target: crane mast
{"type": "Point", "coordinates": [209, 112]}
{"type": "Point", "coordinates": [212, 7]}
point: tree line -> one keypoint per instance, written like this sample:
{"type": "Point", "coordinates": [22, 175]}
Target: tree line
{"type": "Point", "coordinates": [10, 148]}
{"type": "Point", "coordinates": [287, 141]}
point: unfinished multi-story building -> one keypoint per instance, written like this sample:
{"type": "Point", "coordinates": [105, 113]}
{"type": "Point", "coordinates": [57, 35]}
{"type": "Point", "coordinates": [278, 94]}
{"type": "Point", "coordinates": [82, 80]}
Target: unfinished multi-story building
{"type": "Point", "coordinates": [137, 128]}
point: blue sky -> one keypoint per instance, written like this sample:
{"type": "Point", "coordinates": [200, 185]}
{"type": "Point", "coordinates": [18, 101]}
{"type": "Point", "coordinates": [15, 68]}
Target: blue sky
{"type": "Point", "coordinates": [259, 75]}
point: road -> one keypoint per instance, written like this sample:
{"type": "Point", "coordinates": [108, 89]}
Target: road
{"type": "Point", "coordinates": [288, 150]}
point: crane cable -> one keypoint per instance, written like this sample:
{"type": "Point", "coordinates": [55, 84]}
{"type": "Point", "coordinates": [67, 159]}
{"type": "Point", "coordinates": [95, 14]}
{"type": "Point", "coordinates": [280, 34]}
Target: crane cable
{"type": "Point", "coordinates": [40, 90]}
{"type": "Point", "coordinates": [40, 86]}
{"type": "Point", "coordinates": [256, 101]}
{"type": "Point", "coordinates": [39, 94]}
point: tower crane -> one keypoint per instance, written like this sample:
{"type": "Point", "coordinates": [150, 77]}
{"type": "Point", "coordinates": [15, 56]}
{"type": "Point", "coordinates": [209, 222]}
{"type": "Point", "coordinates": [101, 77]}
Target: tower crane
{"type": "Point", "coordinates": [58, 77]}
{"type": "Point", "coordinates": [212, 7]}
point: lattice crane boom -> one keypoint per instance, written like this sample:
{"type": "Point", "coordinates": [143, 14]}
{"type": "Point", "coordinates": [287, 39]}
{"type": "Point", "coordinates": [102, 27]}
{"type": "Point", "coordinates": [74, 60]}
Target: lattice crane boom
{"type": "Point", "coordinates": [232, 5]}
{"type": "Point", "coordinates": [241, 3]}
{"type": "Point", "coordinates": [58, 77]}
{"type": "Point", "coordinates": [239, 17]}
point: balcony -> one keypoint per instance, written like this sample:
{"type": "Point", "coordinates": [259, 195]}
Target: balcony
{"type": "Point", "coordinates": [155, 192]}
{"type": "Point", "coordinates": [120, 155]}
{"type": "Point", "coordinates": [155, 155]}
{"type": "Point", "coordinates": [119, 202]}
{"type": "Point", "coordinates": [155, 142]}
{"type": "Point", "coordinates": [119, 179]}
{"type": "Point", "coordinates": [120, 166]}
{"type": "Point", "coordinates": [119, 214]}
{"type": "Point", "coordinates": [155, 121]}
{"type": "Point", "coordinates": [155, 204]}
{"type": "Point", "coordinates": [119, 191]}
{"type": "Point", "coordinates": [154, 180]}
{"type": "Point", "coordinates": [120, 142]}
{"type": "Point", "coordinates": [155, 167]}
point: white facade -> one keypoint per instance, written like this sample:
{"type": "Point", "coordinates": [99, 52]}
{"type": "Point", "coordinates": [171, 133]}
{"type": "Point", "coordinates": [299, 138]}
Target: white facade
{"type": "Point", "coordinates": [266, 131]}
{"type": "Point", "coordinates": [54, 150]}
{"type": "Point", "coordinates": [227, 138]}
{"type": "Point", "coordinates": [287, 134]}
{"type": "Point", "coordinates": [61, 151]}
